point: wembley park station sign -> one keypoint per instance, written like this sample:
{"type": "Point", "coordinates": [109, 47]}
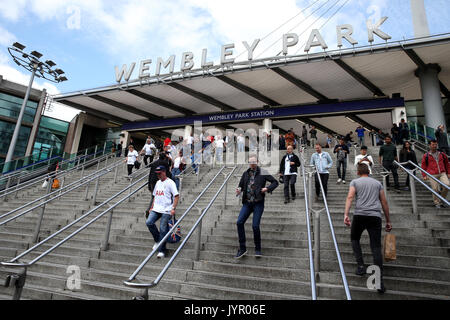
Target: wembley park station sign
{"type": "Point", "coordinates": [344, 32]}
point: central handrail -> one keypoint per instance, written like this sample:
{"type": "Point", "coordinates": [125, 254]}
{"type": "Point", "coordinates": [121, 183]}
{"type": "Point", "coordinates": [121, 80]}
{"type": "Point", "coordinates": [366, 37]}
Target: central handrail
{"type": "Point", "coordinates": [330, 222]}
{"type": "Point", "coordinates": [58, 193]}
{"type": "Point", "coordinates": [146, 286]}
{"type": "Point", "coordinates": [426, 173]}
{"type": "Point", "coordinates": [308, 227]}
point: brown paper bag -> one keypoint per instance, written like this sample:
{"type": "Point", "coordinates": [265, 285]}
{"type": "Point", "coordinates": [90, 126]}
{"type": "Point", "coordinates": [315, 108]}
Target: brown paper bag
{"type": "Point", "coordinates": [390, 253]}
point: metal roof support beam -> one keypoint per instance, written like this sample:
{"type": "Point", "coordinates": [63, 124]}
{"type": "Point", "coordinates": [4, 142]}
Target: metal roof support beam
{"type": "Point", "coordinates": [318, 126]}
{"type": "Point", "coordinates": [202, 97]}
{"type": "Point", "coordinates": [302, 85]}
{"type": "Point", "coordinates": [421, 64]}
{"type": "Point", "coordinates": [362, 122]}
{"type": "Point", "coordinates": [161, 102]}
{"type": "Point", "coordinates": [360, 78]}
{"type": "Point", "coordinates": [125, 107]}
{"type": "Point", "coordinates": [96, 113]}
{"type": "Point", "coordinates": [251, 92]}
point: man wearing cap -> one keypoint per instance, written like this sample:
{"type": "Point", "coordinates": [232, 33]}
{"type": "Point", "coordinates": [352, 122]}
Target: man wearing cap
{"type": "Point", "coordinates": [253, 188]}
{"type": "Point", "coordinates": [164, 204]}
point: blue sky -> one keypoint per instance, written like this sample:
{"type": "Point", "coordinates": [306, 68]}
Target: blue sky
{"type": "Point", "coordinates": [87, 38]}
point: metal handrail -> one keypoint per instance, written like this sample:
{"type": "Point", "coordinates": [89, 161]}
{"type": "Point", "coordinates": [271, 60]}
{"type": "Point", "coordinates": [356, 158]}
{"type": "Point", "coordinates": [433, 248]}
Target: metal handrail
{"type": "Point", "coordinates": [330, 222]}
{"type": "Point", "coordinates": [146, 286]}
{"type": "Point", "coordinates": [19, 171]}
{"type": "Point", "coordinates": [427, 173]}
{"type": "Point", "coordinates": [79, 183]}
{"type": "Point", "coordinates": [423, 183]}
{"type": "Point", "coordinates": [59, 174]}
{"type": "Point", "coordinates": [308, 227]}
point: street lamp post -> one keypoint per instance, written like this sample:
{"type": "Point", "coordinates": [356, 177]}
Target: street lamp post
{"type": "Point", "coordinates": [38, 69]}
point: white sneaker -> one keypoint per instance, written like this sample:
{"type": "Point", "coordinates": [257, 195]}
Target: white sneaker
{"type": "Point", "coordinates": [339, 181]}
{"type": "Point", "coordinates": [155, 245]}
{"type": "Point", "coordinates": [343, 181]}
{"type": "Point", "coordinates": [160, 255]}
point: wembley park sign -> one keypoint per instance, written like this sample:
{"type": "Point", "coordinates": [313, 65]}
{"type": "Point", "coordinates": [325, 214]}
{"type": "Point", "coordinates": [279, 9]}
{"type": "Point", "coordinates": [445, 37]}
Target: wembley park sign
{"type": "Point", "coordinates": [344, 32]}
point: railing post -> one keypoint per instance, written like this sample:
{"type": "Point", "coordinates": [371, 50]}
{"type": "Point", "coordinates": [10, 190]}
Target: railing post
{"type": "Point", "coordinates": [198, 242]}
{"type": "Point", "coordinates": [104, 149]}
{"type": "Point", "coordinates": [6, 189]}
{"type": "Point", "coordinates": [17, 187]}
{"type": "Point", "coordinates": [198, 172]}
{"type": "Point", "coordinates": [317, 243]}
{"type": "Point", "coordinates": [94, 198]}
{"type": "Point", "coordinates": [225, 195]}
{"type": "Point", "coordinates": [105, 243]}
{"type": "Point", "coordinates": [115, 174]}
{"type": "Point", "coordinates": [385, 188]}
{"type": "Point", "coordinates": [181, 186]}
{"type": "Point", "coordinates": [129, 190]}
{"type": "Point", "coordinates": [18, 280]}
{"type": "Point", "coordinates": [50, 156]}
{"type": "Point", "coordinates": [412, 186]}
{"type": "Point", "coordinates": [41, 215]}
{"type": "Point", "coordinates": [310, 190]}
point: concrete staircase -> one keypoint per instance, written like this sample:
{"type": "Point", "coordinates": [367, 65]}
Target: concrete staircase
{"type": "Point", "coordinates": [421, 271]}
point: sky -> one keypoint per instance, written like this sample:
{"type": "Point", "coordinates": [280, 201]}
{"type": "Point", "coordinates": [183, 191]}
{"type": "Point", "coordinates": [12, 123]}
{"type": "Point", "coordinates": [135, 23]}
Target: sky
{"type": "Point", "coordinates": [88, 38]}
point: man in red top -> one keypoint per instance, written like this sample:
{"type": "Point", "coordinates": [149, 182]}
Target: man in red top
{"type": "Point", "coordinates": [437, 164]}
{"type": "Point", "coordinates": [167, 142]}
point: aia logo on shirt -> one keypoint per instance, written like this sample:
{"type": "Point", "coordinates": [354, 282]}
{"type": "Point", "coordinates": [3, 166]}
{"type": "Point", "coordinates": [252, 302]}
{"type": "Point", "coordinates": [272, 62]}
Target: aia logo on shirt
{"type": "Point", "coordinates": [160, 193]}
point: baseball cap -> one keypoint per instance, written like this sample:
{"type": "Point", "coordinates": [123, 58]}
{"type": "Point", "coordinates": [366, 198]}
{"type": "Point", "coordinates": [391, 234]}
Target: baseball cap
{"type": "Point", "coordinates": [160, 169]}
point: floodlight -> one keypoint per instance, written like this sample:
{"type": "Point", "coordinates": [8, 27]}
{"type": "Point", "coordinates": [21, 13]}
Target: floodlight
{"type": "Point", "coordinates": [59, 71]}
{"type": "Point", "coordinates": [36, 54]}
{"type": "Point", "coordinates": [63, 78]}
{"type": "Point", "coordinates": [50, 63]}
{"type": "Point", "coordinates": [18, 45]}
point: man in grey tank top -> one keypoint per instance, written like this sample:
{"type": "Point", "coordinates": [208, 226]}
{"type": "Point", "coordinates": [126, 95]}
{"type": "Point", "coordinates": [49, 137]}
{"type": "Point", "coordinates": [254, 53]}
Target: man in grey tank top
{"type": "Point", "coordinates": [370, 200]}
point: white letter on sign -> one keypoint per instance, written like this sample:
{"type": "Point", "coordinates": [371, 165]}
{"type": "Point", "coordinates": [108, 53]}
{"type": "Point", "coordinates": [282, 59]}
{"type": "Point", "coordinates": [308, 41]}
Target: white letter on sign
{"type": "Point", "coordinates": [345, 35]}
{"type": "Point", "coordinates": [374, 28]}
{"type": "Point", "coordinates": [187, 62]}
{"type": "Point", "coordinates": [144, 67]}
{"type": "Point", "coordinates": [226, 51]}
{"type": "Point", "coordinates": [289, 40]}
{"type": "Point", "coordinates": [315, 33]}
{"type": "Point", "coordinates": [251, 49]}
{"type": "Point", "coordinates": [120, 73]}
{"type": "Point", "coordinates": [165, 64]}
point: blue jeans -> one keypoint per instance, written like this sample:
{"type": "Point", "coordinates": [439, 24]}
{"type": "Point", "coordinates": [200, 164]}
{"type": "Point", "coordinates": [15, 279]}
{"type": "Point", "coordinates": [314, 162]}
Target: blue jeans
{"type": "Point", "coordinates": [247, 209]}
{"type": "Point", "coordinates": [361, 141]}
{"type": "Point", "coordinates": [241, 147]}
{"type": "Point", "coordinates": [219, 155]}
{"type": "Point", "coordinates": [164, 227]}
{"type": "Point", "coordinates": [176, 172]}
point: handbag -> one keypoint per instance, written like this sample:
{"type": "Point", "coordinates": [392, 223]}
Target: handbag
{"type": "Point", "coordinates": [55, 184]}
{"type": "Point", "coordinates": [137, 164]}
{"type": "Point", "coordinates": [45, 184]}
{"type": "Point", "coordinates": [390, 252]}
{"type": "Point", "coordinates": [176, 235]}
{"type": "Point", "coordinates": [281, 179]}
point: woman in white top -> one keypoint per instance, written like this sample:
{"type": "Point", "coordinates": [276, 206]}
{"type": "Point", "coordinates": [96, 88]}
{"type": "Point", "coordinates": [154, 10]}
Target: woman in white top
{"type": "Point", "coordinates": [131, 159]}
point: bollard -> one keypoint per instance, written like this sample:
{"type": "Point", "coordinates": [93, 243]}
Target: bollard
{"type": "Point", "coordinates": [198, 242]}
{"type": "Point", "coordinates": [105, 243]}
{"type": "Point", "coordinates": [412, 186]}
{"type": "Point", "coordinates": [41, 215]}
{"type": "Point", "coordinates": [18, 281]}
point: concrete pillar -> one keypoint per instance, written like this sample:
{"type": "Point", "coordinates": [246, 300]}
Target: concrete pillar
{"type": "Point", "coordinates": [75, 134]}
{"type": "Point", "coordinates": [187, 131]}
{"type": "Point", "coordinates": [431, 95]}
{"type": "Point", "coordinates": [35, 129]}
{"type": "Point", "coordinates": [267, 125]}
{"type": "Point", "coordinates": [419, 17]}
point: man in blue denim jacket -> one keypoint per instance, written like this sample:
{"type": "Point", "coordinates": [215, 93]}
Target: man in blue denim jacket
{"type": "Point", "coordinates": [322, 161]}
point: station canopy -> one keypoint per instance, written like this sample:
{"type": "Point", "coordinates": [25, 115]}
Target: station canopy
{"type": "Point", "coordinates": [342, 75]}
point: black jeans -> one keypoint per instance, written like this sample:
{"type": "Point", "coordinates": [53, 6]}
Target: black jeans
{"type": "Point", "coordinates": [373, 227]}
{"type": "Point", "coordinates": [289, 180]}
{"type": "Point", "coordinates": [343, 164]}
{"type": "Point", "coordinates": [324, 178]}
{"type": "Point", "coordinates": [146, 157]}
{"type": "Point", "coordinates": [390, 166]}
{"type": "Point", "coordinates": [130, 168]}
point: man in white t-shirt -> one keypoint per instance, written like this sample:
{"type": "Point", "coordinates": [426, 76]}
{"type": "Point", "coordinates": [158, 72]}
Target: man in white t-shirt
{"type": "Point", "coordinates": [164, 204]}
{"type": "Point", "coordinates": [364, 158]}
{"type": "Point", "coordinates": [148, 152]}
{"type": "Point", "coordinates": [219, 144]}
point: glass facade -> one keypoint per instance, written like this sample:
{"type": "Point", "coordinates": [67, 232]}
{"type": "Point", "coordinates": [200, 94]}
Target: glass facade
{"type": "Point", "coordinates": [10, 107]}
{"type": "Point", "coordinates": [415, 112]}
{"type": "Point", "coordinates": [6, 133]}
{"type": "Point", "coordinates": [52, 134]}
